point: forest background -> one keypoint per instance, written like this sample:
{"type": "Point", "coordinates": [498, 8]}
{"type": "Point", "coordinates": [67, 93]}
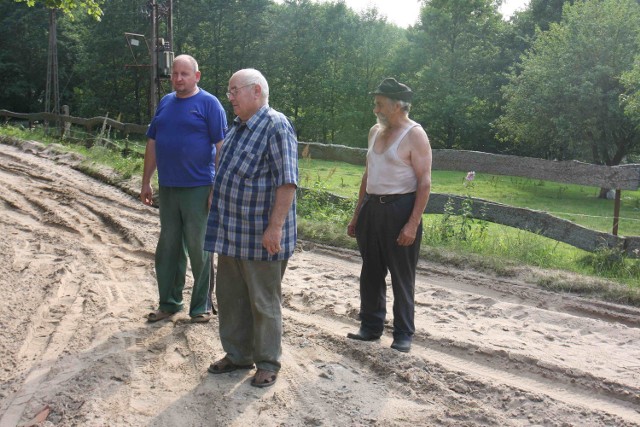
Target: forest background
{"type": "Point", "coordinates": [559, 80]}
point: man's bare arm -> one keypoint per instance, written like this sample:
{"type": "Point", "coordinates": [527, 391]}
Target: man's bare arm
{"type": "Point", "coordinates": [351, 227]}
{"type": "Point", "coordinates": [420, 158]}
{"type": "Point", "coordinates": [146, 192]}
{"type": "Point", "coordinates": [216, 162]}
{"type": "Point", "coordinates": [273, 234]}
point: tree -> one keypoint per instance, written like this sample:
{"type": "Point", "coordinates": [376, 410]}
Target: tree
{"type": "Point", "coordinates": [69, 7]}
{"type": "Point", "coordinates": [297, 65]}
{"type": "Point", "coordinates": [563, 102]}
{"type": "Point", "coordinates": [204, 30]}
{"type": "Point", "coordinates": [102, 81]}
{"type": "Point", "coordinates": [320, 58]}
{"type": "Point", "coordinates": [631, 99]}
{"type": "Point", "coordinates": [23, 57]}
{"type": "Point", "coordinates": [539, 14]}
{"type": "Point", "coordinates": [323, 59]}
{"type": "Point", "coordinates": [461, 63]}
{"type": "Point", "coordinates": [536, 18]}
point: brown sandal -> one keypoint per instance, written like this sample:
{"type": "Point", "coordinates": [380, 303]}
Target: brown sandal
{"type": "Point", "coordinates": [201, 318]}
{"type": "Point", "coordinates": [264, 378]}
{"type": "Point", "coordinates": [156, 316]}
{"type": "Point", "coordinates": [225, 365]}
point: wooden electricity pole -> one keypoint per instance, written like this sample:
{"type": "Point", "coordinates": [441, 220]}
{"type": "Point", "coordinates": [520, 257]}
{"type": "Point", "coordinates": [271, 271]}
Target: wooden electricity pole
{"type": "Point", "coordinates": [153, 88]}
{"type": "Point", "coordinates": [159, 46]}
{"type": "Point", "coordinates": [160, 50]}
{"type": "Point", "coordinates": [51, 89]}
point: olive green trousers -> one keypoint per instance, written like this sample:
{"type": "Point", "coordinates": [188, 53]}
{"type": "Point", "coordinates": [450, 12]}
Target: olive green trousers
{"type": "Point", "coordinates": [183, 224]}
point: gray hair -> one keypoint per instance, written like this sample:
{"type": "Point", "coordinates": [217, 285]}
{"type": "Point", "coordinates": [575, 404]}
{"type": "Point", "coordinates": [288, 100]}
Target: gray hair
{"type": "Point", "coordinates": [190, 59]}
{"type": "Point", "coordinates": [405, 105]}
{"type": "Point", "coordinates": [252, 76]}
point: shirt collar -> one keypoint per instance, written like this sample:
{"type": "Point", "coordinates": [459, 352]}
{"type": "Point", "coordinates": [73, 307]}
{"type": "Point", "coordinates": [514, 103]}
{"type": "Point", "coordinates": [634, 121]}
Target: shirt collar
{"type": "Point", "coordinates": [253, 120]}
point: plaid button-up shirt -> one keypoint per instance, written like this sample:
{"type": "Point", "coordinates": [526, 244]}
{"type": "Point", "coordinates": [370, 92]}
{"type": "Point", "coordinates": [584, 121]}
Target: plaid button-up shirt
{"type": "Point", "coordinates": [256, 158]}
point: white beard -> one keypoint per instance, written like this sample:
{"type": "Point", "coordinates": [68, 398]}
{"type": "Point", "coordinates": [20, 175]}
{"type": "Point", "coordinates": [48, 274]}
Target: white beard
{"type": "Point", "coordinates": [382, 121]}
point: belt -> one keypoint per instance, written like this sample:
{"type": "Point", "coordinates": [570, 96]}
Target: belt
{"type": "Point", "coordinates": [388, 198]}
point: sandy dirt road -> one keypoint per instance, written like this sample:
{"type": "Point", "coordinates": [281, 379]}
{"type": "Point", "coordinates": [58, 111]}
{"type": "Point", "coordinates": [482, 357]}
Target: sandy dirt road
{"type": "Point", "coordinates": [77, 279]}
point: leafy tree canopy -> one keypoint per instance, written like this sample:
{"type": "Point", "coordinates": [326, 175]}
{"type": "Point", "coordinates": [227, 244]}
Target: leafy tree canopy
{"type": "Point", "coordinates": [564, 103]}
{"type": "Point", "coordinates": [456, 65]}
{"type": "Point", "coordinates": [69, 7]}
{"type": "Point", "coordinates": [631, 99]}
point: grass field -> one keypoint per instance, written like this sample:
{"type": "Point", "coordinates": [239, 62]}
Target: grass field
{"type": "Point", "coordinates": [576, 203]}
{"type": "Point", "coordinates": [483, 244]}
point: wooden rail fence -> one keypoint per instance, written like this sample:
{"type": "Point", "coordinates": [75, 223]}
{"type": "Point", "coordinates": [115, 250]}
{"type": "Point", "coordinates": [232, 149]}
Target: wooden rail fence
{"type": "Point", "coordinates": [624, 177]}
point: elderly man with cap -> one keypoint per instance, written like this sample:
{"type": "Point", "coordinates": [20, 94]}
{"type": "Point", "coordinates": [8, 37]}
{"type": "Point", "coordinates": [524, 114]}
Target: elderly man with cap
{"type": "Point", "coordinates": [387, 221]}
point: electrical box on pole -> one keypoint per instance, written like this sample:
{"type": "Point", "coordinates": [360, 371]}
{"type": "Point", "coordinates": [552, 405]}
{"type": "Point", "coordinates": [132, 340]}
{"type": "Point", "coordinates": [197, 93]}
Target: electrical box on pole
{"type": "Point", "coordinates": [165, 59]}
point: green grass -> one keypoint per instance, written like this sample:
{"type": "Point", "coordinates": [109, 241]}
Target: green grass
{"type": "Point", "coordinates": [98, 152]}
{"type": "Point", "coordinates": [466, 241]}
{"type": "Point", "coordinates": [579, 204]}
{"type": "Point", "coordinates": [126, 166]}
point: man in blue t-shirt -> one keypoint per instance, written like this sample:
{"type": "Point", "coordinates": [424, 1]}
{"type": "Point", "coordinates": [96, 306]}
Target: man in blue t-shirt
{"type": "Point", "coordinates": [183, 140]}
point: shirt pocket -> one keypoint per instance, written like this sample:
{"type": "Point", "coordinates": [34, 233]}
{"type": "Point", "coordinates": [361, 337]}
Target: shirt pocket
{"type": "Point", "coordinates": [245, 164]}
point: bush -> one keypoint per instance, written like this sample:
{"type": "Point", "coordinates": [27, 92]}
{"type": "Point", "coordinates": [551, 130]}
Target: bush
{"type": "Point", "coordinates": [611, 262]}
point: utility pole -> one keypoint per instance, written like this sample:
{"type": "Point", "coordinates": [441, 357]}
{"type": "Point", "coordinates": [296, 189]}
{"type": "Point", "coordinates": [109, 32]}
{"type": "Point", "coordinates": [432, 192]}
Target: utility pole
{"type": "Point", "coordinates": [160, 51]}
{"type": "Point", "coordinates": [153, 88]}
{"type": "Point", "coordinates": [51, 89]}
{"type": "Point", "coordinates": [164, 45]}
{"type": "Point", "coordinates": [170, 25]}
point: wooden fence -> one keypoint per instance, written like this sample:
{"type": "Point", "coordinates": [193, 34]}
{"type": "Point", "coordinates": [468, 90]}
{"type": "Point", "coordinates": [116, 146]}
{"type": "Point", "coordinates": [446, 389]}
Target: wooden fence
{"type": "Point", "coordinates": [624, 177]}
{"type": "Point", "coordinates": [88, 124]}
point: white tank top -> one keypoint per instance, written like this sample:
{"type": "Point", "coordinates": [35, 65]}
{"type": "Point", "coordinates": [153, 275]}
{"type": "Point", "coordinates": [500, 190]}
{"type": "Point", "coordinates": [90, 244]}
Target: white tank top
{"type": "Point", "coordinates": [386, 172]}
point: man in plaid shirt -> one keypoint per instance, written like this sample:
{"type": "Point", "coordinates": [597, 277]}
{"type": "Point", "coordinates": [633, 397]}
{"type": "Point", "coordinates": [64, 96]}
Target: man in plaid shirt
{"type": "Point", "coordinates": [252, 228]}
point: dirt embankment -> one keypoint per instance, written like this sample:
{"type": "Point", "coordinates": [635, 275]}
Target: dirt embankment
{"type": "Point", "coordinates": [77, 279]}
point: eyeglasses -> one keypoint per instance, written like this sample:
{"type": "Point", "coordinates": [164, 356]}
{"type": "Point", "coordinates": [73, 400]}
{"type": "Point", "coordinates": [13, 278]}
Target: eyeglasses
{"type": "Point", "coordinates": [234, 92]}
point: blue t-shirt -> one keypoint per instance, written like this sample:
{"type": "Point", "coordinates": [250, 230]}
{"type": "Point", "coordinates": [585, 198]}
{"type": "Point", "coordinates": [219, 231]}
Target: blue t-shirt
{"type": "Point", "coordinates": [186, 131]}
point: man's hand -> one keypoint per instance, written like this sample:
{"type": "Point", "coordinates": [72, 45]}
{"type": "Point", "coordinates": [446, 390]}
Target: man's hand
{"type": "Point", "coordinates": [146, 195]}
{"type": "Point", "coordinates": [351, 227]}
{"type": "Point", "coordinates": [271, 239]}
{"type": "Point", "coordinates": [407, 234]}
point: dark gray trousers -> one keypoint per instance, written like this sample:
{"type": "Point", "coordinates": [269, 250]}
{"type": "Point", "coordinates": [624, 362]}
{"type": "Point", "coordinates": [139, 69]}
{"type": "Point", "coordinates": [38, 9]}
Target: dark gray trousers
{"type": "Point", "coordinates": [377, 229]}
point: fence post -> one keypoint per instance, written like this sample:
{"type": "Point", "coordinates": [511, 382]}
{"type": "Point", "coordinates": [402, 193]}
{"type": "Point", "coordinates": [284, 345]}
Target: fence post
{"type": "Point", "coordinates": [126, 152]}
{"type": "Point", "coordinates": [66, 125]}
{"type": "Point", "coordinates": [616, 212]}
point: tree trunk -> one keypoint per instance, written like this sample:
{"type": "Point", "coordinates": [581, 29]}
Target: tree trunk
{"type": "Point", "coordinates": [603, 193]}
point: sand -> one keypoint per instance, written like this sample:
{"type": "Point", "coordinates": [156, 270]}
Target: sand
{"type": "Point", "coordinates": [77, 279]}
